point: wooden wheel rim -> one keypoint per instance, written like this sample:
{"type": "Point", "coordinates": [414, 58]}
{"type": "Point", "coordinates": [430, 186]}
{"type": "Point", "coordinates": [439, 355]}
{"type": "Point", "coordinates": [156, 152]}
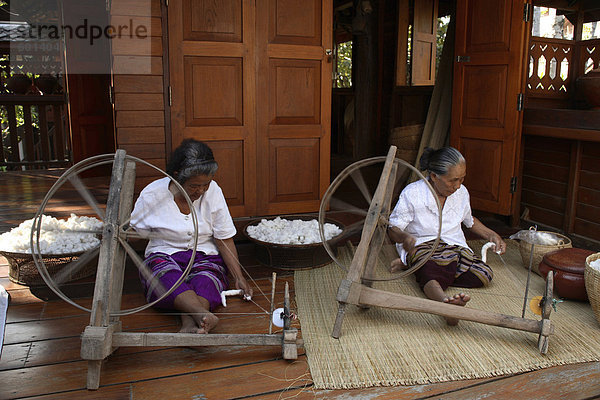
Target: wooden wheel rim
{"type": "Point", "coordinates": [76, 169]}
{"type": "Point", "coordinates": [341, 178]}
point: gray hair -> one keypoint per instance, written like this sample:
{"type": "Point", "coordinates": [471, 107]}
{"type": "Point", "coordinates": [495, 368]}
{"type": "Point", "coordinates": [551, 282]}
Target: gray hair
{"type": "Point", "coordinates": [441, 160]}
{"type": "Point", "coordinates": [191, 158]}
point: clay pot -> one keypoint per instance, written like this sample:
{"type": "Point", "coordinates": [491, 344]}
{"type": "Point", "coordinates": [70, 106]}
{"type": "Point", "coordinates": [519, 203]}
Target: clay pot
{"type": "Point", "coordinates": [18, 83]}
{"type": "Point", "coordinates": [589, 86]}
{"type": "Point", "coordinates": [568, 266]}
{"type": "Point", "coordinates": [47, 84]}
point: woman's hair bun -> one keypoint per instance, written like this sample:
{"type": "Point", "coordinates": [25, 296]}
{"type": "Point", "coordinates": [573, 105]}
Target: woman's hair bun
{"type": "Point", "coordinates": [425, 157]}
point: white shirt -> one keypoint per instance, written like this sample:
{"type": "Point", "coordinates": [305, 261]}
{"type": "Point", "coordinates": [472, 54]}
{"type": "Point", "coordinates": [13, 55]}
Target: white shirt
{"type": "Point", "coordinates": [416, 213]}
{"type": "Point", "coordinates": [155, 211]}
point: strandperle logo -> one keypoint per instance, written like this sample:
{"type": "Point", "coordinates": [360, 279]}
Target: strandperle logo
{"type": "Point", "coordinates": [85, 30]}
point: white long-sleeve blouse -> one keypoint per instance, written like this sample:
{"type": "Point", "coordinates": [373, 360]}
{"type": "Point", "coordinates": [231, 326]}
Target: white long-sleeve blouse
{"type": "Point", "coordinates": [417, 214]}
{"type": "Point", "coordinates": [155, 211]}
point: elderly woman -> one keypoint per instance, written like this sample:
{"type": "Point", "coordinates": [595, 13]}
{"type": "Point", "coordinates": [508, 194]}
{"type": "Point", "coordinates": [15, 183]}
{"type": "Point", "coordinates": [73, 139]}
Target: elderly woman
{"type": "Point", "coordinates": [162, 210]}
{"type": "Point", "coordinates": [414, 226]}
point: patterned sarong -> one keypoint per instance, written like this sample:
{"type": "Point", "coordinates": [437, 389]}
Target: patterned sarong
{"type": "Point", "coordinates": [462, 258]}
{"type": "Point", "coordinates": [208, 276]}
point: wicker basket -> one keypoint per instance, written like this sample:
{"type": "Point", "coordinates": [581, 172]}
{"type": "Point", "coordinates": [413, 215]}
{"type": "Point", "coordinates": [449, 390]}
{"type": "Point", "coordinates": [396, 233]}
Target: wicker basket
{"type": "Point", "coordinates": [22, 268]}
{"type": "Point", "coordinates": [293, 256]}
{"type": "Point", "coordinates": [592, 284]}
{"type": "Point", "coordinates": [540, 249]}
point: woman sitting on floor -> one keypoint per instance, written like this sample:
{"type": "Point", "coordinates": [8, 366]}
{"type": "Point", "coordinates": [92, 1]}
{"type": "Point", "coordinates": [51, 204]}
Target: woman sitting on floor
{"type": "Point", "coordinates": [163, 210]}
{"type": "Point", "coordinates": [414, 226]}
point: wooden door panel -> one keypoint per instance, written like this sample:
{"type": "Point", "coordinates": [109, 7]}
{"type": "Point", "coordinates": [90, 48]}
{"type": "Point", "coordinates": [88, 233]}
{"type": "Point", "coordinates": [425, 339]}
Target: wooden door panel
{"type": "Point", "coordinates": [484, 97]}
{"type": "Point", "coordinates": [295, 22]}
{"type": "Point", "coordinates": [489, 27]}
{"type": "Point", "coordinates": [214, 21]}
{"type": "Point", "coordinates": [229, 154]}
{"type": "Point", "coordinates": [423, 42]}
{"type": "Point", "coordinates": [212, 74]}
{"type": "Point", "coordinates": [213, 91]}
{"type": "Point", "coordinates": [295, 91]}
{"type": "Point", "coordinates": [288, 182]}
{"type": "Point", "coordinates": [484, 159]}
{"type": "Point", "coordinates": [488, 76]}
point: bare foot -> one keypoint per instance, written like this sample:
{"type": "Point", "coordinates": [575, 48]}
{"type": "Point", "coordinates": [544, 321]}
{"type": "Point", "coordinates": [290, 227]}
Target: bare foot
{"type": "Point", "coordinates": [188, 325]}
{"type": "Point", "coordinates": [460, 299]}
{"type": "Point", "coordinates": [397, 265]}
{"type": "Point", "coordinates": [206, 321]}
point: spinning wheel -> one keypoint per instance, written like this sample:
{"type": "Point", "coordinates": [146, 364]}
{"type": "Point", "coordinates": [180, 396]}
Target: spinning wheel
{"type": "Point", "coordinates": [359, 177]}
{"type": "Point", "coordinates": [103, 335]}
{"type": "Point", "coordinates": [116, 233]}
{"type": "Point", "coordinates": [355, 287]}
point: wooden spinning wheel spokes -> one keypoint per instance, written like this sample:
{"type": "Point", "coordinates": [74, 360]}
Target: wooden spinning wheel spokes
{"type": "Point", "coordinates": [359, 177]}
{"type": "Point", "coordinates": [112, 204]}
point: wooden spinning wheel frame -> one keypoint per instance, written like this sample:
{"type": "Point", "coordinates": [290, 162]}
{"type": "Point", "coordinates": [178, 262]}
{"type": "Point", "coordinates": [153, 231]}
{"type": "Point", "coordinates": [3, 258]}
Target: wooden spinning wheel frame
{"type": "Point", "coordinates": [104, 334]}
{"type": "Point", "coordinates": [355, 288]}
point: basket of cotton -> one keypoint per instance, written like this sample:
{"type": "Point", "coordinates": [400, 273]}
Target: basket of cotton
{"type": "Point", "coordinates": [592, 282]}
{"type": "Point", "coordinates": [543, 241]}
{"type": "Point", "coordinates": [292, 242]}
{"type": "Point", "coordinates": [60, 242]}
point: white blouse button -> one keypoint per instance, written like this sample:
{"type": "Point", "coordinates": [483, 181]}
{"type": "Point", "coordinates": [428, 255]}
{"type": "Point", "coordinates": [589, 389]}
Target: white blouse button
{"type": "Point", "coordinates": [189, 233]}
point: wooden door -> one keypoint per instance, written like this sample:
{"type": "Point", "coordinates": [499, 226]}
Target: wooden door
{"type": "Point", "coordinates": [293, 104]}
{"type": "Point", "coordinates": [251, 79]}
{"type": "Point", "coordinates": [212, 76]}
{"type": "Point", "coordinates": [488, 77]}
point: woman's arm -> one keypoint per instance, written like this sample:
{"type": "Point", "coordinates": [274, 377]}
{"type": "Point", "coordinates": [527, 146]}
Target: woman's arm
{"type": "Point", "coordinates": [399, 236]}
{"type": "Point", "coordinates": [229, 253]}
{"type": "Point", "coordinates": [484, 232]}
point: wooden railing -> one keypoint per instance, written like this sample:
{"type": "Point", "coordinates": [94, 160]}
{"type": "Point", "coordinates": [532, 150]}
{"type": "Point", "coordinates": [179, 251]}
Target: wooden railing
{"type": "Point", "coordinates": [553, 65]}
{"type": "Point", "coordinates": [549, 67]}
{"type": "Point", "coordinates": [25, 145]}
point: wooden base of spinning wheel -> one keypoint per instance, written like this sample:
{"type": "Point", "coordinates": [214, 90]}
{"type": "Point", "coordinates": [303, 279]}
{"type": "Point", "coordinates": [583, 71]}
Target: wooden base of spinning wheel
{"type": "Point", "coordinates": [355, 288]}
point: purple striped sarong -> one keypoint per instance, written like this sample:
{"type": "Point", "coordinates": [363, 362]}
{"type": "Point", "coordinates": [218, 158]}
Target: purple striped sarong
{"type": "Point", "coordinates": [207, 278]}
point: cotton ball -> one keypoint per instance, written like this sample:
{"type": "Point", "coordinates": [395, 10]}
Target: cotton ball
{"type": "Point", "coordinates": [595, 264]}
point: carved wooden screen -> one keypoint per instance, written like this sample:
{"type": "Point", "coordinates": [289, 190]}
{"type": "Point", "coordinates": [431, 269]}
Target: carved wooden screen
{"type": "Point", "coordinates": [549, 67]}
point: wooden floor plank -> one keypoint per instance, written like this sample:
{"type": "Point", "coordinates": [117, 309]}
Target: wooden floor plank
{"type": "Point", "coordinates": [120, 392]}
{"type": "Point", "coordinates": [147, 366]}
{"type": "Point", "coordinates": [574, 381]}
{"type": "Point", "coordinates": [250, 380]}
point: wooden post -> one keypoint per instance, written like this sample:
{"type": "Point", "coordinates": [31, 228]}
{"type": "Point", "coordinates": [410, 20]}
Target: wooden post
{"type": "Point", "coordinates": [96, 340]}
{"type": "Point", "coordinates": [357, 268]}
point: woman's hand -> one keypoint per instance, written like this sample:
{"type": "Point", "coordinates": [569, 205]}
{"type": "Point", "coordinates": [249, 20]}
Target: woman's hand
{"type": "Point", "coordinates": [499, 244]}
{"type": "Point", "coordinates": [241, 283]}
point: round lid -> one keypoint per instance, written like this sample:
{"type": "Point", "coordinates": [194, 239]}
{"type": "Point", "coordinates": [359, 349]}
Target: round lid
{"type": "Point", "coordinates": [568, 259]}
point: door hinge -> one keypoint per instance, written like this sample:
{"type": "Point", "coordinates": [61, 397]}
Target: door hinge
{"type": "Point", "coordinates": [170, 97]}
{"type": "Point", "coordinates": [111, 94]}
{"type": "Point", "coordinates": [520, 102]}
{"type": "Point", "coordinates": [513, 184]}
{"type": "Point", "coordinates": [526, 12]}
{"type": "Point", "coordinates": [463, 59]}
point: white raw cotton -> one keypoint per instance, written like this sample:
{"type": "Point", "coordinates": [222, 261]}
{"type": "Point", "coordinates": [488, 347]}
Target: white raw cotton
{"type": "Point", "coordinates": [55, 237]}
{"type": "Point", "coordinates": [595, 264]}
{"type": "Point", "coordinates": [284, 231]}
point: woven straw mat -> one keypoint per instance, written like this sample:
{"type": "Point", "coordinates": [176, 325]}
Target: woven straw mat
{"type": "Point", "coordinates": [384, 347]}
